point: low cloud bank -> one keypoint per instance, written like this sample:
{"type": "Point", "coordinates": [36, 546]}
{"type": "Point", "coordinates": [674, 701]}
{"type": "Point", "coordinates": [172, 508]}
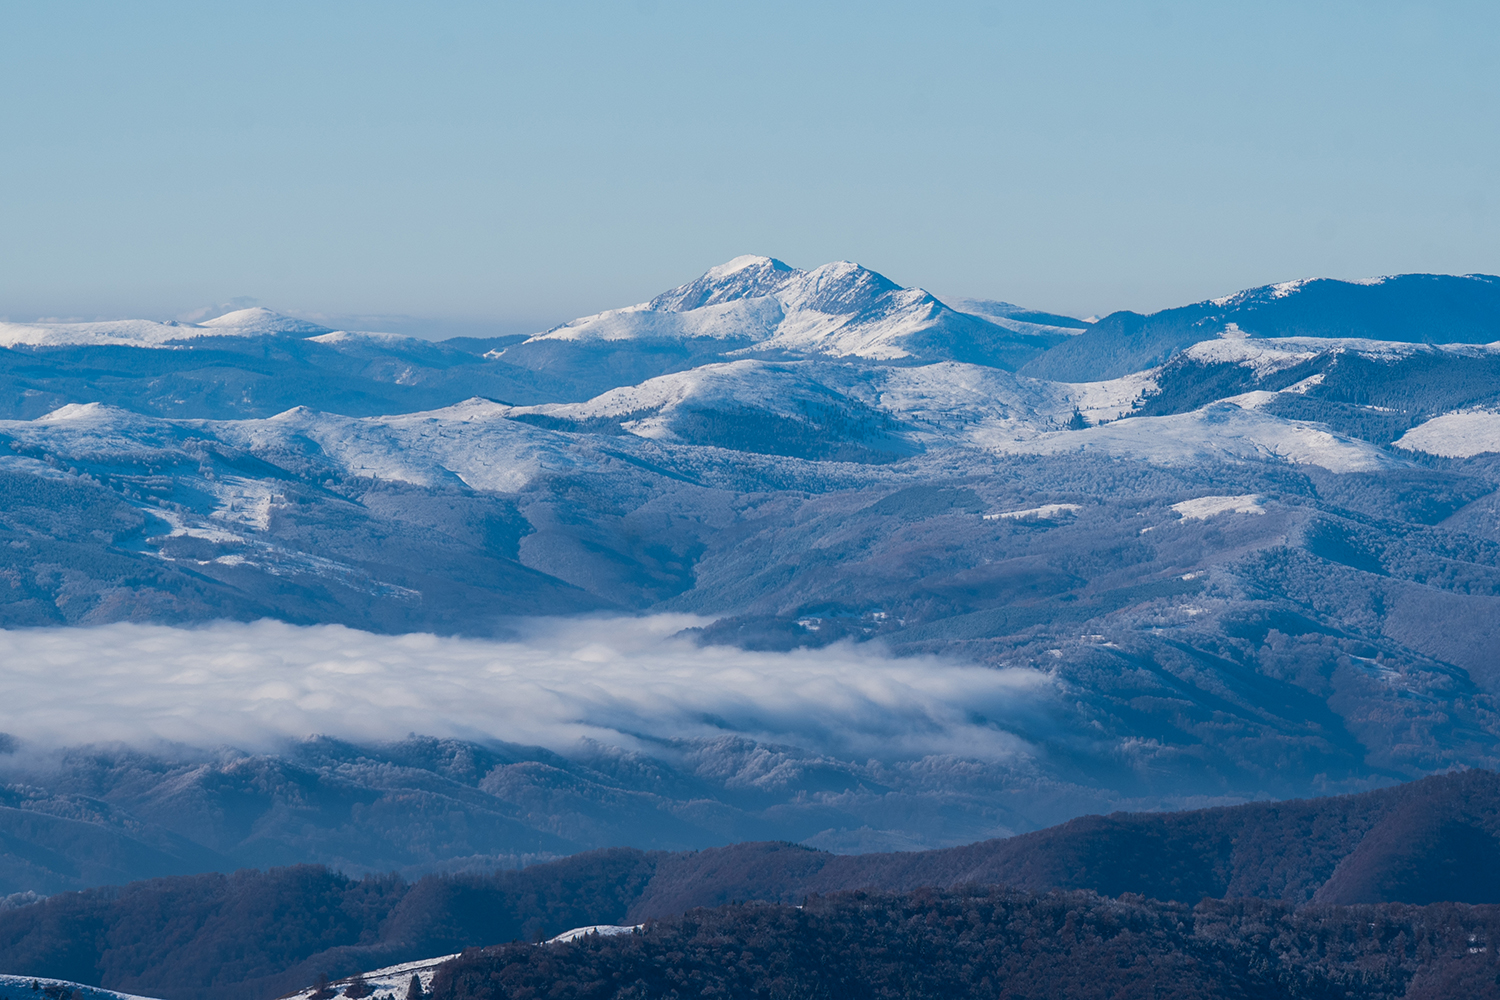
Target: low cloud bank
{"type": "Point", "coordinates": [255, 685]}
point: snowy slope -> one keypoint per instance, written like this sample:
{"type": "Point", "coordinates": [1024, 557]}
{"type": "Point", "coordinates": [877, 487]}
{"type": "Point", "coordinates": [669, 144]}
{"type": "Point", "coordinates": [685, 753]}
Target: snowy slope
{"type": "Point", "coordinates": [602, 930]}
{"type": "Point", "coordinates": [1203, 508]}
{"type": "Point", "coordinates": [218, 493]}
{"type": "Point", "coordinates": [1019, 318]}
{"type": "Point", "coordinates": [1267, 355]}
{"type": "Point", "coordinates": [943, 404]}
{"type": "Point", "coordinates": [972, 404]}
{"type": "Point", "coordinates": [148, 333]}
{"type": "Point", "coordinates": [389, 983]}
{"type": "Point", "coordinates": [1407, 308]}
{"type": "Point", "coordinates": [392, 981]}
{"type": "Point", "coordinates": [472, 443]}
{"type": "Point", "coordinates": [20, 988]}
{"type": "Point", "coordinates": [1220, 432]}
{"type": "Point", "coordinates": [1461, 434]}
{"type": "Point", "coordinates": [785, 389]}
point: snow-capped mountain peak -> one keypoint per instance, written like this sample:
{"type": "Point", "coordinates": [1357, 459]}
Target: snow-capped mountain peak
{"type": "Point", "coordinates": [258, 320]}
{"type": "Point", "coordinates": [745, 277]}
{"type": "Point", "coordinates": [839, 309]}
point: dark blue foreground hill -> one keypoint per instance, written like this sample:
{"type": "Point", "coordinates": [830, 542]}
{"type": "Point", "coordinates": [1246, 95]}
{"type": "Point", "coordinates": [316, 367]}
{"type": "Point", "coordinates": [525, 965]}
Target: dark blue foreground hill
{"type": "Point", "coordinates": [256, 934]}
{"type": "Point", "coordinates": [999, 943]}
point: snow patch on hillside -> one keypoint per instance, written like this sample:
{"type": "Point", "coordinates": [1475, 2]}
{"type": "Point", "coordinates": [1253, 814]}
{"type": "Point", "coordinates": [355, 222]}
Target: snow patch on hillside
{"type": "Point", "coordinates": [759, 384]}
{"type": "Point", "coordinates": [1282, 289]}
{"type": "Point", "coordinates": [367, 337]}
{"type": "Point", "coordinates": [602, 930]}
{"type": "Point", "coordinates": [19, 988]}
{"type": "Point", "coordinates": [962, 403]}
{"type": "Point", "coordinates": [388, 983]}
{"type": "Point", "coordinates": [1101, 402]}
{"type": "Point", "coordinates": [472, 443]}
{"type": "Point", "coordinates": [1046, 512]}
{"type": "Point", "coordinates": [952, 402]}
{"type": "Point", "coordinates": [1219, 432]}
{"type": "Point", "coordinates": [1202, 508]}
{"type": "Point", "coordinates": [1272, 354]}
{"type": "Point", "coordinates": [1264, 357]}
{"type": "Point", "coordinates": [1460, 434]}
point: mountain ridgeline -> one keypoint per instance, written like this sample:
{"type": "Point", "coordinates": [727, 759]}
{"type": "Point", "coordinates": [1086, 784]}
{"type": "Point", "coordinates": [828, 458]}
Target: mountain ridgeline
{"type": "Point", "coordinates": [1407, 308]}
{"type": "Point", "coordinates": [254, 934]}
{"type": "Point", "coordinates": [1004, 944]}
{"type": "Point", "coordinates": [1242, 549]}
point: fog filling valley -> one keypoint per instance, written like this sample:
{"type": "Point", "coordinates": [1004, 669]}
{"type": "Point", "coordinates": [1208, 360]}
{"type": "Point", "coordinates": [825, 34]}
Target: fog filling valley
{"type": "Point", "coordinates": [611, 679]}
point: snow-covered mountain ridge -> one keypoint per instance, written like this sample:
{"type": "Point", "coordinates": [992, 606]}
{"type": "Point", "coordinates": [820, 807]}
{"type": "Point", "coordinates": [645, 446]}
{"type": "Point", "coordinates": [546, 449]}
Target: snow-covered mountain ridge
{"type": "Point", "coordinates": [151, 334]}
{"type": "Point", "coordinates": [1406, 308]}
{"type": "Point", "coordinates": [839, 310]}
{"type": "Point", "coordinates": [42, 988]}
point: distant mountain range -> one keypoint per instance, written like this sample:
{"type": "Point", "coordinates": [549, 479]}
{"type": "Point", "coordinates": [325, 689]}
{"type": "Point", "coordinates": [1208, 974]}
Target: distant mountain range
{"type": "Point", "coordinates": [1253, 545]}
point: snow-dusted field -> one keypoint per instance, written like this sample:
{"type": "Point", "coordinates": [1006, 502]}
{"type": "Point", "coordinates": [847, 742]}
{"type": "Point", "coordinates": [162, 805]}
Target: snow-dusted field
{"type": "Point", "coordinates": [33, 988]}
{"type": "Point", "coordinates": [1461, 434]}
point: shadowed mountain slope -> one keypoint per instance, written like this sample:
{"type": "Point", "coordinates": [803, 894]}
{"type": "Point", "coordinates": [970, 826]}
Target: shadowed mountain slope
{"type": "Point", "coordinates": [1421, 842]}
{"type": "Point", "coordinates": [1407, 308]}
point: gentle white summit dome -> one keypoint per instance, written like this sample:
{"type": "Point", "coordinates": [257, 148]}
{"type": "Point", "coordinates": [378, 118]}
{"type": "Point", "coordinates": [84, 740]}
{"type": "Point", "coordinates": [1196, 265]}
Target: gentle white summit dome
{"type": "Point", "coordinates": [261, 320]}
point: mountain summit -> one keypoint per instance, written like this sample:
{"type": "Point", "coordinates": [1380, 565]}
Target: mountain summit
{"type": "Point", "coordinates": [761, 305]}
{"type": "Point", "coordinates": [259, 320]}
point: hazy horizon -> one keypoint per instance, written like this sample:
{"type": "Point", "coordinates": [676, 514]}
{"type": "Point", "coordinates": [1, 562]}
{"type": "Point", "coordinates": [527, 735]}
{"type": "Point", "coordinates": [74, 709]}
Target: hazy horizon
{"type": "Point", "coordinates": [441, 327]}
{"type": "Point", "coordinates": [505, 168]}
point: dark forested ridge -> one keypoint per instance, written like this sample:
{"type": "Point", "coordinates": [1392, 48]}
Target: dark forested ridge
{"type": "Point", "coordinates": [258, 934]}
{"type": "Point", "coordinates": [1425, 841]}
{"type": "Point", "coordinates": [1004, 943]}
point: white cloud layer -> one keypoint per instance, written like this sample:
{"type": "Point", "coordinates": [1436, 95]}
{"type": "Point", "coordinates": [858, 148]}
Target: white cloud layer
{"type": "Point", "coordinates": [255, 685]}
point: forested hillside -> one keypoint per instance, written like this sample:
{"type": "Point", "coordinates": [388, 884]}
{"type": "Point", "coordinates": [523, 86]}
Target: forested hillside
{"type": "Point", "coordinates": [998, 943]}
{"type": "Point", "coordinates": [258, 934]}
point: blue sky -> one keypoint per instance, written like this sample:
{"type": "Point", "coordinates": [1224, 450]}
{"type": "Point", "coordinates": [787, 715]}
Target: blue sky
{"type": "Point", "coordinates": [508, 166]}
